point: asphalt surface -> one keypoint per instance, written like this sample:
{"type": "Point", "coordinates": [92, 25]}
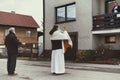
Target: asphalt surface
{"type": "Point", "coordinates": [40, 70]}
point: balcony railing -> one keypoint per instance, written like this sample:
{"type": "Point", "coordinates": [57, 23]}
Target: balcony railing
{"type": "Point", "coordinates": [107, 21]}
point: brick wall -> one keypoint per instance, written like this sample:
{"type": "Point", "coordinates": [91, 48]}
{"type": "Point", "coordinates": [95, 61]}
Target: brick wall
{"type": "Point", "coordinates": [21, 34]}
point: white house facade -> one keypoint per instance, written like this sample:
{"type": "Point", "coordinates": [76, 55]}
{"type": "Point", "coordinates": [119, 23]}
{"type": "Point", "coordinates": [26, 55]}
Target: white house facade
{"type": "Point", "coordinates": [80, 17]}
{"type": "Point", "coordinates": [82, 23]}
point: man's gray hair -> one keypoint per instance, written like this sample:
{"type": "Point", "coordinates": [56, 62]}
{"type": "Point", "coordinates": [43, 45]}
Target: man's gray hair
{"type": "Point", "coordinates": [11, 29]}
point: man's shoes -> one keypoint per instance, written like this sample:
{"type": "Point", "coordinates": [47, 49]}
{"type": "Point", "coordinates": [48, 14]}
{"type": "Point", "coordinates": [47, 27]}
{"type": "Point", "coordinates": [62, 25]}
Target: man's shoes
{"type": "Point", "coordinates": [13, 74]}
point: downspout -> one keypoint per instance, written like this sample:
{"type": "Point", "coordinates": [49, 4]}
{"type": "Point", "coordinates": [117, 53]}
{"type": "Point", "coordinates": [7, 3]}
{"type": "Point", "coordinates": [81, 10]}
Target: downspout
{"type": "Point", "coordinates": [43, 26]}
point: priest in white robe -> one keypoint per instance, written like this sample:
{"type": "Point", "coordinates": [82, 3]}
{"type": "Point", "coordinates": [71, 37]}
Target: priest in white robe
{"type": "Point", "coordinates": [60, 42]}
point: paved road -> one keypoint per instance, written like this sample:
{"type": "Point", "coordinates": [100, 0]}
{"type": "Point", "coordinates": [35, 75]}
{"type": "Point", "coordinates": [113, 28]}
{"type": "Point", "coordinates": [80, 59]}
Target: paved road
{"type": "Point", "coordinates": [40, 70]}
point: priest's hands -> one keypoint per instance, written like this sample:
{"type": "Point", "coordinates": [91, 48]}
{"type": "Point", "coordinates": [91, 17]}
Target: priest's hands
{"type": "Point", "coordinates": [64, 26]}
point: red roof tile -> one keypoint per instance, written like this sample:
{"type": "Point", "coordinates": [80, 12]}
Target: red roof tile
{"type": "Point", "coordinates": [17, 20]}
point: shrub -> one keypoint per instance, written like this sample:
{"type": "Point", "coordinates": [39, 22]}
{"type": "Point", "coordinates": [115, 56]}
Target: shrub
{"type": "Point", "coordinates": [85, 55]}
{"type": "Point", "coordinates": [102, 52]}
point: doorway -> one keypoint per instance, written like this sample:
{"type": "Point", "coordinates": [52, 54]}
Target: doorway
{"type": "Point", "coordinates": [71, 52]}
{"type": "Point", "coordinates": [109, 5]}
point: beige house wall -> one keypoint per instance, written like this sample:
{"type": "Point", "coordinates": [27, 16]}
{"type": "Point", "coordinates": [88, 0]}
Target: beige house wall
{"type": "Point", "coordinates": [95, 7]}
{"type": "Point", "coordinates": [102, 6]}
{"type": "Point", "coordinates": [100, 39]}
{"type": "Point", "coordinates": [82, 25]}
{"type": "Point", "coordinates": [118, 1]}
{"type": "Point", "coordinates": [98, 7]}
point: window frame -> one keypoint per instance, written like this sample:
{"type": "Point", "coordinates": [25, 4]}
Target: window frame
{"type": "Point", "coordinates": [66, 5]}
{"type": "Point", "coordinates": [28, 33]}
{"type": "Point", "coordinates": [6, 32]}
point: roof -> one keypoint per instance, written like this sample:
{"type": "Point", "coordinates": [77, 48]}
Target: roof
{"type": "Point", "coordinates": [14, 19]}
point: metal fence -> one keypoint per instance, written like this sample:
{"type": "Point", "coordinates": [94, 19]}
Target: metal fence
{"type": "Point", "coordinates": [106, 21]}
{"type": "Point", "coordinates": [30, 50]}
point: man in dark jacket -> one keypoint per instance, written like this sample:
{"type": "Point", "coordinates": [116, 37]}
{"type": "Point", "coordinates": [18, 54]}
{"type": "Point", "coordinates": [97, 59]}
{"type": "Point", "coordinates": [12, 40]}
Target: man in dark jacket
{"type": "Point", "coordinates": [11, 43]}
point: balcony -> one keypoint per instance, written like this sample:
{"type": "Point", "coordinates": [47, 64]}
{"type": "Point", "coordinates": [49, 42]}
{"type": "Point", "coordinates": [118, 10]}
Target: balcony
{"type": "Point", "coordinates": [106, 23]}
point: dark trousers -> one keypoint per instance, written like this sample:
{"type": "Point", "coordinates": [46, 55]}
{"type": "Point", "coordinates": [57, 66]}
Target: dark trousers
{"type": "Point", "coordinates": [11, 63]}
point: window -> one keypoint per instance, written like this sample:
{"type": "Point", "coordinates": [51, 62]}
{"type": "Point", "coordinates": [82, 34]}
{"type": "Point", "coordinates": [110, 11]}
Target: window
{"type": "Point", "coordinates": [110, 39]}
{"type": "Point", "coordinates": [28, 33]}
{"type": "Point", "coordinates": [71, 12]}
{"type": "Point", "coordinates": [61, 14]}
{"type": "Point", "coordinates": [66, 13]}
{"type": "Point", "coordinates": [6, 32]}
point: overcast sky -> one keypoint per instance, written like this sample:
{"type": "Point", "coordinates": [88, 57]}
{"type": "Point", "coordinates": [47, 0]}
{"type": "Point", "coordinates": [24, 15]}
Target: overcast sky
{"type": "Point", "coordinates": [33, 8]}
